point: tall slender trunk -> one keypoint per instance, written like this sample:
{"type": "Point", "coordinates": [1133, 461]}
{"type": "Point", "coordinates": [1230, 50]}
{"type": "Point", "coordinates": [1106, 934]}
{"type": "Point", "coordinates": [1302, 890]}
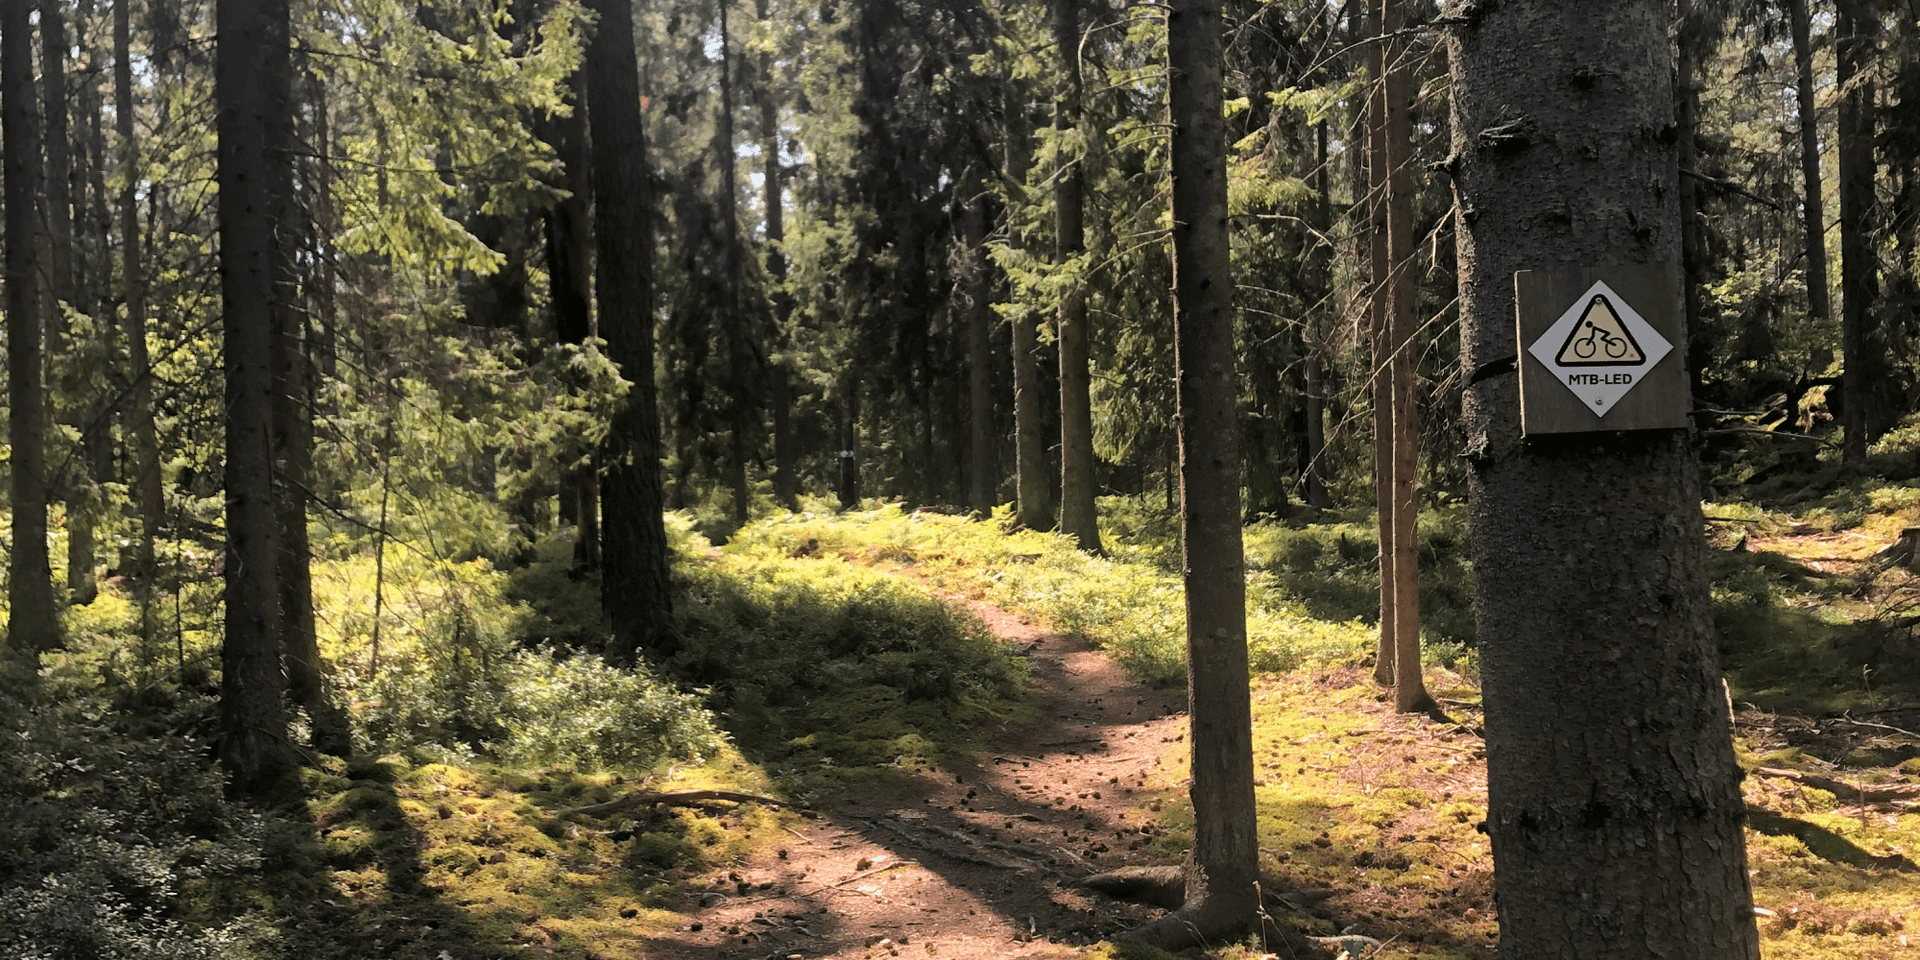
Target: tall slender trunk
{"type": "Point", "coordinates": [254, 742]}
{"type": "Point", "coordinates": [983, 474]}
{"type": "Point", "coordinates": [32, 620]}
{"type": "Point", "coordinates": [1812, 201]}
{"type": "Point", "coordinates": [59, 148]}
{"type": "Point", "coordinates": [308, 678]}
{"type": "Point", "coordinates": [1034, 486]}
{"type": "Point", "coordinates": [638, 593]}
{"type": "Point", "coordinates": [72, 482]}
{"type": "Point", "coordinates": [1222, 870]}
{"type": "Point", "coordinates": [1687, 120]}
{"type": "Point", "coordinates": [147, 495]}
{"type": "Point", "coordinates": [786, 486]}
{"type": "Point", "coordinates": [1614, 802]}
{"type": "Point", "coordinates": [569, 229]}
{"type": "Point", "coordinates": [1079, 518]}
{"type": "Point", "coordinates": [739, 350]}
{"type": "Point", "coordinates": [1409, 688]}
{"type": "Point", "coordinates": [849, 452]}
{"type": "Point", "coordinates": [1314, 396]}
{"type": "Point", "coordinates": [1864, 373]}
{"type": "Point", "coordinates": [1380, 335]}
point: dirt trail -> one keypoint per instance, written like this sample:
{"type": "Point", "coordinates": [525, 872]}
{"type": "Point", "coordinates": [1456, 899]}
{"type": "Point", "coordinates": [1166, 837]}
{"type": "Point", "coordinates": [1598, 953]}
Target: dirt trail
{"type": "Point", "coordinates": [978, 858]}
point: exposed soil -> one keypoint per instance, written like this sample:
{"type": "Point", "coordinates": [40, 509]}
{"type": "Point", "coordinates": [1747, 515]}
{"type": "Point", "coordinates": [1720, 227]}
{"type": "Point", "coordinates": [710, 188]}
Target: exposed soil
{"type": "Point", "coordinates": [979, 858]}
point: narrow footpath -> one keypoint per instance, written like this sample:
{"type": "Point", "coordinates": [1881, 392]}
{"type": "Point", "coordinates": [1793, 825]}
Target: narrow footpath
{"type": "Point", "coordinates": [979, 858]}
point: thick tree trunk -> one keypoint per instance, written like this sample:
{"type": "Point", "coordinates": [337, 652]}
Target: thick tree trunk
{"type": "Point", "coordinates": [1863, 385]}
{"type": "Point", "coordinates": [1222, 871]}
{"type": "Point", "coordinates": [637, 592]}
{"type": "Point", "coordinates": [1079, 517]}
{"type": "Point", "coordinates": [1812, 202]}
{"type": "Point", "coordinates": [254, 742]}
{"type": "Point", "coordinates": [33, 624]}
{"type": "Point", "coordinates": [1614, 800]}
{"type": "Point", "coordinates": [1409, 688]}
{"type": "Point", "coordinates": [983, 474]}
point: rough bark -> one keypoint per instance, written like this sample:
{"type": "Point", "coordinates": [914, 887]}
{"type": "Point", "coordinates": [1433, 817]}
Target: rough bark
{"type": "Point", "coordinates": [1079, 518]}
{"type": "Point", "coordinates": [1813, 203]}
{"type": "Point", "coordinates": [637, 594]}
{"type": "Point", "coordinates": [1614, 801]}
{"type": "Point", "coordinates": [849, 452]}
{"type": "Point", "coordinates": [1864, 373]}
{"type": "Point", "coordinates": [1222, 871]}
{"type": "Point", "coordinates": [32, 621]}
{"type": "Point", "coordinates": [1409, 687]}
{"type": "Point", "coordinates": [253, 743]}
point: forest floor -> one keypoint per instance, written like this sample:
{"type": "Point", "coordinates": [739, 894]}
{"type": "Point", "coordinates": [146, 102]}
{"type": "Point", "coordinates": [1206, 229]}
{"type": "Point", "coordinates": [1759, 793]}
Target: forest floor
{"type": "Point", "coordinates": [978, 857]}
{"type": "Point", "coordinates": [984, 854]}
{"type": "Point", "coordinates": [1368, 825]}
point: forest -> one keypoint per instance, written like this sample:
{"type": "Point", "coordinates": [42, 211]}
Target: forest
{"type": "Point", "coordinates": [699, 479]}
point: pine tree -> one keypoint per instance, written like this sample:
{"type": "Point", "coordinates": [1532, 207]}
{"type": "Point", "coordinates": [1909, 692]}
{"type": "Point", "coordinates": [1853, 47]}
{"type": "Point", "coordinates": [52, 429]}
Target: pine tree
{"type": "Point", "coordinates": [1614, 803]}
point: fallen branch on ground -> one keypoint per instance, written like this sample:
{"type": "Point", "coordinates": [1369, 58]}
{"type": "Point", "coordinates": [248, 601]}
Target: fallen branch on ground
{"type": "Point", "coordinates": [681, 799]}
{"type": "Point", "coordinates": [1863, 793]}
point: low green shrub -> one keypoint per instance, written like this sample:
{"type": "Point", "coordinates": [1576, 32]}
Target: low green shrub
{"type": "Point", "coordinates": [116, 843]}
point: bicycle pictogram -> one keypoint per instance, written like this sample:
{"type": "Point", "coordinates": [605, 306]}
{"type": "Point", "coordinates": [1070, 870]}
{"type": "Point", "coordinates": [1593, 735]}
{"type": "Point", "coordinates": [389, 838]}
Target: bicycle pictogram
{"type": "Point", "coordinates": [1599, 339]}
{"type": "Point", "coordinates": [1585, 347]}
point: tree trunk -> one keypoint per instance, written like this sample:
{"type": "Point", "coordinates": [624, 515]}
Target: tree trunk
{"type": "Point", "coordinates": [1409, 687]}
{"type": "Point", "coordinates": [1033, 493]}
{"type": "Point", "coordinates": [848, 454]}
{"type": "Point", "coordinates": [254, 744]}
{"type": "Point", "coordinates": [637, 590]}
{"type": "Point", "coordinates": [569, 228]}
{"type": "Point", "coordinates": [1864, 356]}
{"type": "Point", "coordinates": [983, 474]}
{"type": "Point", "coordinates": [1693, 258]}
{"type": "Point", "coordinates": [33, 624]}
{"type": "Point", "coordinates": [1313, 373]}
{"type": "Point", "coordinates": [786, 487]}
{"type": "Point", "coordinates": [59, 147]}
{"type": "Point", "coordinates": [147, 494]}
{"type": "Point", "coordinates": [1079, 517]}
{"type": "Point", "coordinates": [740, 364]}
{"type": "Point", "coordinates": [1380, 378]}
{"type": "Point", "coordinates": [1614, 800]}
{"type": "Point", "coordinates": [308, 679]}
{"type": "Point", "coordinates": [1222, 871]}
{"type": "Point", "coordinates": [1813, 203]}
